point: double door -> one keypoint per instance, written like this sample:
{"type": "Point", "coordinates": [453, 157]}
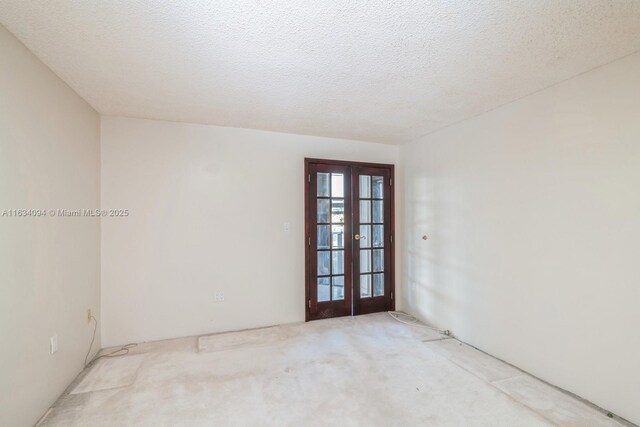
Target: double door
{"type": "Point", "coordinates": [349, 238]}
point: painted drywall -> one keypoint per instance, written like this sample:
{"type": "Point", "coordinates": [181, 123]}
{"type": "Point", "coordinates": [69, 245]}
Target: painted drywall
{"type": "Point", "coordinates": [49, 266]}
{"type": "Point", "coordinates": [207, 207]}
{"type": "Point", "coordinates": [532, 213]}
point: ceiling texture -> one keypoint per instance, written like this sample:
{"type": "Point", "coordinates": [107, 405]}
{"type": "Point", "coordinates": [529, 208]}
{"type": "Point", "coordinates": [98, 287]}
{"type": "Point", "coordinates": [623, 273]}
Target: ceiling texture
{"type": "Point", "coordinates": [381, 71]}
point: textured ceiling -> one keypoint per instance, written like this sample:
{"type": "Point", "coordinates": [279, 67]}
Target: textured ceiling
{"type": "Point", "coordinates": [386, 71]}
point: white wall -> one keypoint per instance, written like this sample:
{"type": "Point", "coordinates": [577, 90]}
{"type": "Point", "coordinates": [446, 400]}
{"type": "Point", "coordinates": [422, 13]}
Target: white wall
{"type": "Point", "coordinates": [533, 213]}
{"type": "Point", "coordinates": [49, 267]}
{"type": "Point", "coordinates": [208, 205]}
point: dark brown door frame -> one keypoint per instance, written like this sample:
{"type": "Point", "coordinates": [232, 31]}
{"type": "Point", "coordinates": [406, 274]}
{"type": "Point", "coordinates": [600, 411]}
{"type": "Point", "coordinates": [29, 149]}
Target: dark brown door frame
{"type": "Point", "coordinates": [307, 232]}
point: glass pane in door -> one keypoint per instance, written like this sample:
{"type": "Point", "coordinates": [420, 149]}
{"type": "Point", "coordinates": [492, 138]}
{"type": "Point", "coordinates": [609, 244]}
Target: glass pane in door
{"type": "Point", "coordinates": [323, 185]}
{"type": "Point", "coordinates": [337, 236]}
{"type": "Point", "coordinates": [378, 260]}
{"type": "Point", "coordinates": [377, 240]}
{"type": "Point", "coordinates": [324, 236]}
{"type": "Point", "coordinates": [337, 262]}
{"type": "Point", "coordinates": [377, 187]}
{"type": "Point", "coordinates": [365, 261]}
{"type": "Point", "coordinates": [324, 289]}
{"type": "Point", "coordinates": [365, 236]}
{"type": "Point", "coordinates": [324, 263]}
{"type": "Point", "coordinates": [365, 211]}
{"type": "Point", "coordinates": [324, 213]}
{"type": "Point", "coordinates": [365, 186]}
{"type": "Point", "coordinates": [365, 285]}
{"type": "Point", "coordinates": [337, 211]}
{"type": "Point", "coordinates": [378, 285]}
{"type": "Point", "coordinates": [338, 288]}
{"type": "Point", "coordinates": [378, 211]}
{"type": "Point", "coordinates": [337, 185]}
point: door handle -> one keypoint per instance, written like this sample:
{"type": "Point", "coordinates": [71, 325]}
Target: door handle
{"type": "Point", "coordinates": [358, 237]}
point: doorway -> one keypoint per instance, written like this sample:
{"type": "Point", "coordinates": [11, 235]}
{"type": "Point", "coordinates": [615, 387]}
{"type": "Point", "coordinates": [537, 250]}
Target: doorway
{"type": "Point", "coordinates": [349, 230]}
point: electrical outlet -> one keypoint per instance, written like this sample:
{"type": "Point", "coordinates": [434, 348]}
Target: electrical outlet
{"type": "Point", "coordinates": [53, 344]}
{"type": "Point", "coordinates": [219, 296]}
{"type": "Point", "coordinates": [89, 315]}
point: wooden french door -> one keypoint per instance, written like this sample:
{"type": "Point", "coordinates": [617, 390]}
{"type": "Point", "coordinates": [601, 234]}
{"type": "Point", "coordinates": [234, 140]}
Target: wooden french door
{"type": "Point", "coordinates": [349, 238]}
{"type": "Point", "coordinates": [329, 240]}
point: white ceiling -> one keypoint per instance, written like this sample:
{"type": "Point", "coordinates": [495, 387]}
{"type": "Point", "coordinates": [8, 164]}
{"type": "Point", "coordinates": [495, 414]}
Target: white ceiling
{"type": "Point", "coordinates": [387, 71]}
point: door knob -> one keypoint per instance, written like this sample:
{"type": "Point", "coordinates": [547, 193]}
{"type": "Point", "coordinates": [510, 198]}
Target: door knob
{"type": "Point", "coordinates": [357, 237]}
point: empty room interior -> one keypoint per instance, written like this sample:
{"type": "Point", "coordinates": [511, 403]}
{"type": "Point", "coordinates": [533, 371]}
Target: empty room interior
{"type": "Point", "coordinates": [333, 213]}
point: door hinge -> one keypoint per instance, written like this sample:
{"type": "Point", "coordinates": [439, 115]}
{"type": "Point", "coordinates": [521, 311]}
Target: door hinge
{"type": "Point", "coordinates": [390, 182]}
{"type": "Point", "coordinates": [391, 295]}
{"type": "Point", "coordinates": [309, 178]}
{"type": "Point", "coordinates": [391, 238]}
{"type": "Point", "coordinates": [309, 303]}
{"type": "Point", "coordinates": [309, 241]}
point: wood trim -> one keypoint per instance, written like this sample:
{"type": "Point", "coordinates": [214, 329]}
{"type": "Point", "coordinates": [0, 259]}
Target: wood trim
{"type": "Point", "coordinates": [307, 235]}
{"type": "Point", "coordinates": [307, 249]}
{"type": "Point", "coordinates": [392, 198]}
{"type": "Point", "coordinates": [308, 160]}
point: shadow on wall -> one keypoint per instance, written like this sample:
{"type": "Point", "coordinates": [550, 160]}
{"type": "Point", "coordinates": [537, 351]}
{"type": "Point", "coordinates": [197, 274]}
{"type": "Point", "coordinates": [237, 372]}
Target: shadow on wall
{"type": "Point", "coordinates": [433, 270]}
